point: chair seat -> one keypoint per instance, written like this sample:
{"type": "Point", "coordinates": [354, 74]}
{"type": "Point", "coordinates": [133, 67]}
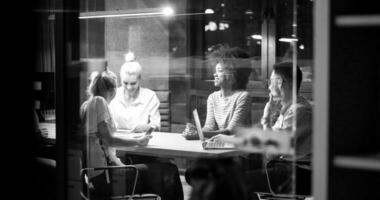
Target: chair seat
{"type": "Point", "coordinates": [117, 179]}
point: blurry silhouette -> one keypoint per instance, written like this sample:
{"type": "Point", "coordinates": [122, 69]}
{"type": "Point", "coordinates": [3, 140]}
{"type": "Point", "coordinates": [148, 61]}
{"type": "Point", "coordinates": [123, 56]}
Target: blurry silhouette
{"type": "Point", "coordinates": [44, 163]}
{"type": "Point", "coordinates": [216, 180]}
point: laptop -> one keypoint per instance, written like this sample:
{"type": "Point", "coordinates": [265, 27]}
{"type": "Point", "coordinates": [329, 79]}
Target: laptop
{"type": "Point", "coordinates": [206, 144]}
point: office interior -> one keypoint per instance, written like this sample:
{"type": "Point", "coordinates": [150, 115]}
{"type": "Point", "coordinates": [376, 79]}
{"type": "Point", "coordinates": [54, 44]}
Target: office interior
{"type": "Point", "coordinates": [333, 42]}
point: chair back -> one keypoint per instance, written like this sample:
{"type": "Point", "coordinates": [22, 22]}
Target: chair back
{"type": "Point", "coordinates": [165, 112]}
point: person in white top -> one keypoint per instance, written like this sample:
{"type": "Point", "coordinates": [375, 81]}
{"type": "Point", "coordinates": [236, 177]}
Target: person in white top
{"type": "Point", "coordinates": [134, 108]}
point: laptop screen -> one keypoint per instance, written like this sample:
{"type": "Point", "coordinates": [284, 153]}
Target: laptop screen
{"type": "Point", "coordinates": [198, 125]}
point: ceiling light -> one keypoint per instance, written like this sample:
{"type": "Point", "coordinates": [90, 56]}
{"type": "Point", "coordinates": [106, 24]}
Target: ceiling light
{"type": "Point", "coordinates": [209, 11]}
{"type": "Point", "coordinates": [138, 13]}
{"type": "Point", "coordinates": [288, 40]}
{"type": "Point", "coordinates": [167, 11]}
{"type": "Point", "coordinates": [256, 37]}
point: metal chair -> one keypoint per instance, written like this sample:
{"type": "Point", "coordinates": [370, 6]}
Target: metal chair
{"type": "Point", "coordinates": [271, 196]}
{"type": "Point", "coordinates": [276, 196]}
{"type": "Point", "coordinates": [115, 193]}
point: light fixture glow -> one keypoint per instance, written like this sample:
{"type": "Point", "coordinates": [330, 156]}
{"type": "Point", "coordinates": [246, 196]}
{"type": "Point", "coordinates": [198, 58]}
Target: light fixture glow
{"type": "Point", "coordinates": [223, 26]}
{"type": "Point", "coordinates": [167, 11]}
{"type": "Point", "coordinates": [211, 26]}
{"type": "Point", "coordinates": [249, 12]}
{"type": "Point", "coordinates": [148, 12]}
{"type": "Point", "coordinates": [288, 40]}
{"type": "Point", "coordinates": [302, 47]}
{"type": "Point", "coordinates": [256, 37]}
{"type": "Point", "coordinates": [209, 11]}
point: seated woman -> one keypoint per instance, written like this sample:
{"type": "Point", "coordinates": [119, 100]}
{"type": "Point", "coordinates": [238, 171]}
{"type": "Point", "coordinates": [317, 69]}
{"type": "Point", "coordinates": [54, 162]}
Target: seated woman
{"type": "Point", "coordinates": [100, 127]}
{"type": "Point", "coordinates": [229, 107]}
{"type": "Point", "coordinates": [134, 108]}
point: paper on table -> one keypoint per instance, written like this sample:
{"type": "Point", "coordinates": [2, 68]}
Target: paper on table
{"type": "Point", "coordinates": [125, 131]}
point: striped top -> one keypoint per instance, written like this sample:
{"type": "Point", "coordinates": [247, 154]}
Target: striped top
{"type": "Point", "coordinates": [228, 112]}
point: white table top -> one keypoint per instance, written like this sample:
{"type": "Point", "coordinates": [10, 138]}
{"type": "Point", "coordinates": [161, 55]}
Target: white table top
{"type": "Point", "coordinates": [165, 144]}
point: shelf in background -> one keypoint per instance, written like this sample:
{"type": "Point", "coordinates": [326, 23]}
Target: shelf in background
{"type": "Point", "coordinates": [368, 162]}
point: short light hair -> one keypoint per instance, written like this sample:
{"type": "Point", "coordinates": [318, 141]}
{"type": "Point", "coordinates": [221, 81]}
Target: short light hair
{"type": "Point", "coordinates": [130, 66]}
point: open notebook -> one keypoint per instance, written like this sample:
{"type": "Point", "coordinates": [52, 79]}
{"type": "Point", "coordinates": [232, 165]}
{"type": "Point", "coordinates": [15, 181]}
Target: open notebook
{"type": "Point", "coordinates": [206, 144]}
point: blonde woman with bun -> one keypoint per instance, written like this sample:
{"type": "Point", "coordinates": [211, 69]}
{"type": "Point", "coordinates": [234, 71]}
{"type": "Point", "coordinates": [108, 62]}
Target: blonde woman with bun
{"type": "Point", "coordinates": [134, 108]}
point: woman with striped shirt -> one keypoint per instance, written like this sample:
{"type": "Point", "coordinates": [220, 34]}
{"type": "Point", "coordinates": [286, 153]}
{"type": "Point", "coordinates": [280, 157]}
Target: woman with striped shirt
{"type": "Point", "coordinates": [229, 107]}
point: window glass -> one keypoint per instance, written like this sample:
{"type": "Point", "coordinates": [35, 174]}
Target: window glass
{"type": "Point", "coordinates": [167, 46]}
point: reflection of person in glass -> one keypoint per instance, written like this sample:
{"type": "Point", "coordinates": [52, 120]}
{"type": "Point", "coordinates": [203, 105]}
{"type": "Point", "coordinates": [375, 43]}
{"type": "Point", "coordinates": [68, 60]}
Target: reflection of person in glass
{"type": "Point", "coordinates": [228, 107]}
{"type": "Point", "coordinates": [134, 108]}
{"type": "Point", "coordinates": [217, 179]}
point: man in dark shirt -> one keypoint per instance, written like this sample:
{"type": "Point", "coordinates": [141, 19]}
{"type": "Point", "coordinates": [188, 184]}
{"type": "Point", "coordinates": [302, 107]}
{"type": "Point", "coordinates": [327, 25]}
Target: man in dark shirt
{"type": "Point", "coordinates": [286, 173]}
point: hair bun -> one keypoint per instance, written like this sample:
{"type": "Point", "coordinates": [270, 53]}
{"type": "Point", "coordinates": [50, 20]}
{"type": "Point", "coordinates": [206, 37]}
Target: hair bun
{"type": "Point", "coordinates": [129, 57]}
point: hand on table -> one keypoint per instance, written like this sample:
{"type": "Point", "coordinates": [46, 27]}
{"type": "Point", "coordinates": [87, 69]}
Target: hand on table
{"type": "Point", "coordinates": [221, 138]}
{"type": "Point", "coordinates": [232, 139]}
{"type": "Point", "coordinates": [141, 128]}
{"type": "Point", "coordinates": [143, 140]}
{"type": "Point", "coordinates": [190, 132]}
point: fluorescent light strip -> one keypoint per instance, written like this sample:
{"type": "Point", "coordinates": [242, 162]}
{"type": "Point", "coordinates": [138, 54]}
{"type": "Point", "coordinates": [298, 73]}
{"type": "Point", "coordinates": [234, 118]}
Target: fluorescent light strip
{"type": "Point", "coordinates": [127, 15]}
{"type": "Point", "coordinates": [186, 14]}
{"type": "Point", "coordinates": [288, 39]}
{"type": "Point", "coordinates": [54, 11]}
{"type": "Point", "coordinates": [257, 37]}
{"type": "Point", "coordinates": [359, 20]}
{"type": "Point", "coordinates": [108, 14]}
